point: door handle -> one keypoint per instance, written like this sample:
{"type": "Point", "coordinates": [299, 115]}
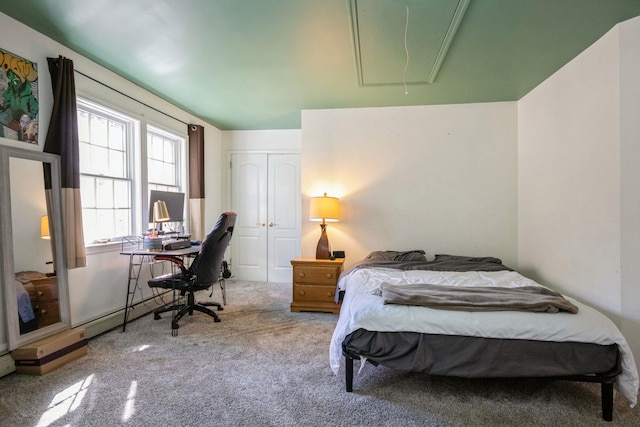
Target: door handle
{"type": "Point", "coordinates": [271, 224]}
{"type": "Point", "coordinates": [262, 224]}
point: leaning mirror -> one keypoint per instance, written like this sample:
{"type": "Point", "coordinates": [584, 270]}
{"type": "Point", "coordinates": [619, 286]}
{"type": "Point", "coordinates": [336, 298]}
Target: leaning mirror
{"type": "Point", "coordinates": [33, 273]}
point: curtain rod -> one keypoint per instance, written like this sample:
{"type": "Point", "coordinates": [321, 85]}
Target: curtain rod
{"type": "Point", "coordinates": [130, 97]}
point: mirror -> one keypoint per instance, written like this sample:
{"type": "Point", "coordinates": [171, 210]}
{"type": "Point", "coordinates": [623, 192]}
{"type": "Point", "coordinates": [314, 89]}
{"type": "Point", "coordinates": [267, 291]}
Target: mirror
{"type": "Point", "coordinates": [33, 273]}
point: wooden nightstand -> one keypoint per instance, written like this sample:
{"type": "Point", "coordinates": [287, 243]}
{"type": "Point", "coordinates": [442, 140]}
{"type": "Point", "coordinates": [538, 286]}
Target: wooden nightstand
{"type": "Point", "coordinates": [314, 284]}
{"type": "Point", "coordinates": [48, 309]}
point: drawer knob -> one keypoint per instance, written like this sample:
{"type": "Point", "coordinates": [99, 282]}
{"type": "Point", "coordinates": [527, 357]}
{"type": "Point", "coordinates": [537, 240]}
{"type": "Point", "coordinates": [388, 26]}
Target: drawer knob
{"type": "Point", "coordinates": [40, 293]}
{"type": "Point", "coordinates": [43, 312]}
{"type": "Point", "coordinates": [329, 275]}
{"type": "Point", "coordinates": [302, 293]}
{"type": "Point", "coordinates": [300, 274]}
{"type": "Point", "coordinates": [329, 294]}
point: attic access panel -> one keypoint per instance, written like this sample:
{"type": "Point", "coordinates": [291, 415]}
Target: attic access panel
{"type": "Point", "coordinates": [379, 37]}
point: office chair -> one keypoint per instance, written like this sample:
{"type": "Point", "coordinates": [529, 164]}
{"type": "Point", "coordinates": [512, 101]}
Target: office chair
{"type": "Point", "coordinates": [207, 268]}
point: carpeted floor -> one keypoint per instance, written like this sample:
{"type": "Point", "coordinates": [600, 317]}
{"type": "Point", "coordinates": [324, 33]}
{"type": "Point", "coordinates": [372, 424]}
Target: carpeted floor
{"type": "Point", "coordinates": [265, 366]}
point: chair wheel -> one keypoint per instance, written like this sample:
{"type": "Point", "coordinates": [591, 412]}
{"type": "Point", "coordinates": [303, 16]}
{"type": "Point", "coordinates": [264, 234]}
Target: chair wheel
{"type": "Point", "coordinates": [156, 316]}
{"type": "Point", "coordinates": [217, 320]}
{"type": "Point", "coordinates": [220, 308]}
{"type": "Point", "coordinates": [174, 325]}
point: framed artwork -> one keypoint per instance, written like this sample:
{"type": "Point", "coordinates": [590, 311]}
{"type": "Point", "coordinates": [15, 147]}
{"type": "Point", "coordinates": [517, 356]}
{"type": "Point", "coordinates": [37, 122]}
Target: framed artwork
{"type": "Point", "coordinates": [18, 98]}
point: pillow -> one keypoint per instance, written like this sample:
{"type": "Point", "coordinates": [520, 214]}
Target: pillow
{"type": "Point", "coordinates": [415, 255]}
{"type": "Point", "coordinates": [442, 257]}
{"type": "Point", "coordinates": [381, 255]}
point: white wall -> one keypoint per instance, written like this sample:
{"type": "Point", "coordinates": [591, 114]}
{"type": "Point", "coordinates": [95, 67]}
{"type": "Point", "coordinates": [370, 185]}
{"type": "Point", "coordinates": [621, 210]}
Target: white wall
{"type": "Point", "coordinates": [100, 288]}
{"type": "Point", "coordinates": [630, 182]}
{"type": "Point", "coordinates": [578, 192]}
{"type": "Point", "coordinates": [437, 178]}
{"type": "Point", "coordinates": [569, 177]}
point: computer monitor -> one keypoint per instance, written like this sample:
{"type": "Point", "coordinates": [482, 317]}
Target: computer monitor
{"type": "Point", "coordinates": [174, 201]}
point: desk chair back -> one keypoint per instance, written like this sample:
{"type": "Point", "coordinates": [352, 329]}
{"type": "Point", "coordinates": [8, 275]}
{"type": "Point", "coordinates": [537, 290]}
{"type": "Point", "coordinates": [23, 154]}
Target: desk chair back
{"type": "Point", "coordinates": [208, 263]}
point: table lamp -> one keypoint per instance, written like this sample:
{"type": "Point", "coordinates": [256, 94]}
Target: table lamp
{"type": "Point", "coordinates": [325, 209]}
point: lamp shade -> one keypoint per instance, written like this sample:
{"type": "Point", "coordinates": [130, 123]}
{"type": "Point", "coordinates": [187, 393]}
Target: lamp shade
{"type": "Point", "coordinates": [44, 227]}
{"type": "Point", "coordinates": [160, 212]}
{"type": "Point", "coordinates": [325, 209]}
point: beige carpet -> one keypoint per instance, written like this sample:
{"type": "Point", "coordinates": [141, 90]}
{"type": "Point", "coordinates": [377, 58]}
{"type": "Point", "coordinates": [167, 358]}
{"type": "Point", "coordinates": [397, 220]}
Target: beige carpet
{"type": "Point", "coordinates": [264, 366]}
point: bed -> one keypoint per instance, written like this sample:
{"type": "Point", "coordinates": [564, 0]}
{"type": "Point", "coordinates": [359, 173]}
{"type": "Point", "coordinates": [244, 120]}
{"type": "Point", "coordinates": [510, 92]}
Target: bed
{"type": "Point", "coordinates": [404, 312]}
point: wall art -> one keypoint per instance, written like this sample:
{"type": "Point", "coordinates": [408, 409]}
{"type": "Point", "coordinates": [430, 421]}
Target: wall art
{"type": "Point", "coordinates": [18, 98]}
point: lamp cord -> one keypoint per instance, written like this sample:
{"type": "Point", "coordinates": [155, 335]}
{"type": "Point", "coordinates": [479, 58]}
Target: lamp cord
{"type": "Point", "coordinates": [406, 51]}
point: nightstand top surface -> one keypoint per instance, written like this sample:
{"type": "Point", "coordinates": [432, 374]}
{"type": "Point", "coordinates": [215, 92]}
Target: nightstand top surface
{"type": "Point", "coordinates": [310, 260]}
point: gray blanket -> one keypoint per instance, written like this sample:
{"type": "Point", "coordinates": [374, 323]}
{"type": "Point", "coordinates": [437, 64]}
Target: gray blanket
{"type": "Point", "coordinates": [528, 298]}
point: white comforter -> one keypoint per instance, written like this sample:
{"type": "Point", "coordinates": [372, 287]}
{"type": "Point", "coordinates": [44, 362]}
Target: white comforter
{"type": "Point", "coordinates": [362, 307]}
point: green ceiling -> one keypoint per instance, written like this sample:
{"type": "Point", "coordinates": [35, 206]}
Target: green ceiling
{"type": "Point", "coordinates": [255, 64]}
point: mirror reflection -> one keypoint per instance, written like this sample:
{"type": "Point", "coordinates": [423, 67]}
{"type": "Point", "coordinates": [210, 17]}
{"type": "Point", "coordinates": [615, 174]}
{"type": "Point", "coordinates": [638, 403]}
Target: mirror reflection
{"type": "Point", "coordinates": [35, 280]}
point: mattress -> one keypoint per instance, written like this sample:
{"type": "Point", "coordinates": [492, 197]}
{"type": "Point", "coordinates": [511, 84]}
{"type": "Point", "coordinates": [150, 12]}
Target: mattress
{"type": "Point", "coordinates": [363, 309]}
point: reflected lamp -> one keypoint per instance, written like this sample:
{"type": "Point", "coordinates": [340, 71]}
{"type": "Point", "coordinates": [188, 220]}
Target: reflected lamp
{"type": "Point", "coordinates": [324, 209]}
{"type": "Point", "coordinates": [44, 227]}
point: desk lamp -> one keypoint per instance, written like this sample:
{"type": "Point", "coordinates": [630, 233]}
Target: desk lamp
{"type": "Point", "coordinates": [325, 209]}
{"type": "Point", "coordinates": [160, 214]}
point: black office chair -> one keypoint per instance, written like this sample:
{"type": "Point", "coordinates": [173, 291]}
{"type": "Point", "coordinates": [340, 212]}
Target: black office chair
{"type": "Point", "coordinates": [207, 268]}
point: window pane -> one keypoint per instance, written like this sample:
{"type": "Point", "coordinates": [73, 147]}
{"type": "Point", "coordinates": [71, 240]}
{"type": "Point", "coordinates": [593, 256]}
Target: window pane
{"type": "Point", "coordinates": [116, 136]}
{"type": "Point", "coordinates": [116, 166]}
{"type": "Point", "coordinates": [169, 151]}
{"type": "Point", "coordinates": [99, 131]}
{"type": "Point", "coordinates": [83, 126]}
{"type": "Point", "coordinates": [104, 193]}
{"type": "Point", "coordinates": [85, 158]}
{"type": "Point", "coordinates": [89, 223]}
{"type": "Point", "coordinates": [122, 194]}
{"type": "Point", "coordinates": [104, 224]}
{"type": "Point", "coordinates": [169, 174]}
{"type": "Point", "coordinates": [154, 171]}
{"type": "Point", "coordinates": [99, 163]}
{"type": "Point", "coordinates": [87, 192]}
{"type": "Point", "coordinates": [156, 148]}
{"type": "Point", "coordinates": [122, 226]}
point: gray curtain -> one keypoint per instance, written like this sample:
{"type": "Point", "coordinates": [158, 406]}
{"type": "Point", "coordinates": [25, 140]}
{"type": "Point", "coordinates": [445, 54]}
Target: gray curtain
{"type": "Point", "coordinates": [62, 139]}
{"type": "Point", "coordinates": [196, 181]}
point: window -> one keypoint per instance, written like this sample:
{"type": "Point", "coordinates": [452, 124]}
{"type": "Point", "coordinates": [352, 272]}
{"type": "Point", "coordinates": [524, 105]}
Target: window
{"type": "Point", "coordinates": [106, 180]}
{"type": "Point", "coordinates": [163, 160]}
{"type": "Point", "coordinates": [114, 186]}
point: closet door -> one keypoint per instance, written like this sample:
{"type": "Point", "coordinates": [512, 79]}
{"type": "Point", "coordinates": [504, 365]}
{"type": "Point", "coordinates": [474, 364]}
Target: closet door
{"type": "Point", "coordinates": [265, 193]}
{"type": "Point", "coordinates": [283, 211]}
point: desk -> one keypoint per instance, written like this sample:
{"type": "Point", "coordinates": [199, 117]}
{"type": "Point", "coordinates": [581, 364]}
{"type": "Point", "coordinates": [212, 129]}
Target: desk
{"type": "Point", "coordinates": [137, 257]}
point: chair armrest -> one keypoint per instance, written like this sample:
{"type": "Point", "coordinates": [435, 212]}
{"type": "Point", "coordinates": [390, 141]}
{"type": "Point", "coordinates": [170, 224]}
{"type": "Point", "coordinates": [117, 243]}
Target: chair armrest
{"type": "Point", "coordinates": [174, 260]}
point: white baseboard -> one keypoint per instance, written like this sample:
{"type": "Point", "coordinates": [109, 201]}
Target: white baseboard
{"type": "Point", "coordinates": [7, 365]}
{"type": "Point", "coordinates": [115, 320]}
{"type": "Point", "coordinates": [93, 328]}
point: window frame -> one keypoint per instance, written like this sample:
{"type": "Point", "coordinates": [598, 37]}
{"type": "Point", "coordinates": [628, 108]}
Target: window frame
{"type": "Point", "coordinates": [137, 164]}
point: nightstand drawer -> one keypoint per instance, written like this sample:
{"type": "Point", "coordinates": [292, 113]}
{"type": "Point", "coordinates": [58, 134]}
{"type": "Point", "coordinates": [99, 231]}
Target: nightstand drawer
{"type": "Point", "coordinates": [314, 293]}
{"type": "Point", "coordinates": [318, 275]}
{"type": "Point", "coordinates": [49, 313]}
{"type": "Point", "coordinates": [46, 293]}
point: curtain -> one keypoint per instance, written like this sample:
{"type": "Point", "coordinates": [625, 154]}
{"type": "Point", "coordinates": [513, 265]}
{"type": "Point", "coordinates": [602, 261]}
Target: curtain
{"type": "Point", "coordinates": [62, 139]}
{"type": "Point", "coordinates": [196, 182]}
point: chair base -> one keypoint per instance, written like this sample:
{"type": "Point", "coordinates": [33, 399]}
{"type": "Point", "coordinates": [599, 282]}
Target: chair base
{"type": "Point", "coordinates": [189, 307]}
